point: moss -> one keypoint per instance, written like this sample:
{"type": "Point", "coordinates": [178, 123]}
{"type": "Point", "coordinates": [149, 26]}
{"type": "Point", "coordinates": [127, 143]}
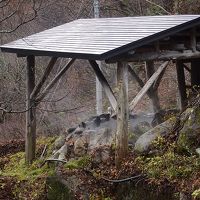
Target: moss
{"type": "Point", "coordinates": [169, 165]}
{"type": "Point", "coordinates": [196, 194]}
{"type": "Point", "coordinates": [30, 179]}
{"type": "Point", "coordinates": [56, 190]}
{"type": "Point", "coordinates": [78, 163]}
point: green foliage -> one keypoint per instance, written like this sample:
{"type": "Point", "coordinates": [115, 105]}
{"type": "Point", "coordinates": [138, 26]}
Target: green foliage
{"type": "Point", "coordinates": [78, 163]}
{"type": "Point", "coordinates": [169, 165]}
{"type": "Point", "coordinates": [196, 194]}
{"type": "Point", "coordinates": [17, 168]}
{"type": "Point", "coordinates": [30, 179]}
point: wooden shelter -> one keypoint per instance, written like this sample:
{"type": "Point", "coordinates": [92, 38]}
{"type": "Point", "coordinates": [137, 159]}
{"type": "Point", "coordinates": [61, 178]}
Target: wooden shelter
{"type": "Point", "coordinates": [115, 40]}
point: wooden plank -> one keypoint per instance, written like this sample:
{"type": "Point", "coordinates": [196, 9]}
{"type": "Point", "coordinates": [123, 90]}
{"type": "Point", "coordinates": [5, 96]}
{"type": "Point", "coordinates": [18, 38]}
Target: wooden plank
{"type": "Point", "coordinates": [54, 81]}
{"type": "Point", "coordinates": [104, 83]}
{"type": "Point", "coordinates": [147, 85]}
{"type": "Point", "coordinates": [30, 135]}
{"type": "Point", "coordinates": [47, 71]}
{"type": "Point", "coordinates": [122, 113]}
{"type": "Point", "coordinates": [181, 84]}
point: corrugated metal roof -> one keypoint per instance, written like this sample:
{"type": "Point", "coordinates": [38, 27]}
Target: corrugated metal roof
{"type": "Point", "coordinates": [101, 38]}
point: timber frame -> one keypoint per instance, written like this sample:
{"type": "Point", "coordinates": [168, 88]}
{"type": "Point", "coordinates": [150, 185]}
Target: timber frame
{"type": "Point", "coordinates": [181, 47]}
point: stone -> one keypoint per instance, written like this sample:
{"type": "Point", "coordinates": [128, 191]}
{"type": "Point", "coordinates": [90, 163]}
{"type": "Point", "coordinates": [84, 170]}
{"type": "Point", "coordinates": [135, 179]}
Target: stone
{"type": "Point", "coordinates": [63, 152]}
{"type": "Point", "coordinates": [100, 154]}
{"type": "Point", "coordinates": [101, 137]}
{"type": "Point", "coordinates": [189, 135]}
{"type": "Point", "coordinates": [60, 141]}
{"type": "Point", "coordinates": [80, 146]}
{"type": "Point", "coordinates": [144, 142]}
{"type": "Point", "coordinates": [79, 130]}
{"type": "Point", "coordinates": [198, 151]}
{"type": "Point", "coordinates": [138, 130]}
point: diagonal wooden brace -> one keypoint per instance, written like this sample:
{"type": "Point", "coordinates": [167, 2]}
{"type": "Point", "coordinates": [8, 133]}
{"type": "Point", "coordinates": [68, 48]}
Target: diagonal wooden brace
{"type": "Point", "coordinates": [104, 83]}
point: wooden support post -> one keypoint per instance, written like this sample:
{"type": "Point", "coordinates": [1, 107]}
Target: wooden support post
{"type": "Point", "coordinates": [195, 72]}
{"type": "Point", "coordinates": [104, 84]}
{"type": "Point", "coordinates": [122, 113]}
{"type": "Point", "coordinates": [30, 137]}
{"type": "Point", "coordinates": [181, 84]}
{"type": "Point", "coordinates": [153, 93]}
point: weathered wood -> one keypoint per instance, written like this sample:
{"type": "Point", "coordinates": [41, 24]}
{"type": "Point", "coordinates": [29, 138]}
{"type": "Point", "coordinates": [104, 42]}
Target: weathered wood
{"type": "Point", "coordinates": [30, 136]}
{"type": "Point", "coordinates": [153, 94]}
{"type": "Point", "coordinates": [158, 80]}
{"type": "Point", "coordinates": [193, 41]}
{"type": "Point", "coordinates": [44, 77]}
{"type": "Point", "coordinates": [181, 84]}
{"type": "Point", "coordinates": [104, 83]}
{"type": "Point", "coordinates": [54, 81]}
{"type": "Point", "coordinates": [135, 76]}
{"type": "Point", "coordinates": [187, 68]}
{"type": "Point", "coordinates": [122, 113]}
{"type": "Point", "coordinates": [195, 72]}
{"type": "Point", "coordinates": [164, 56]}
{"type": "Point", "coordinates": [99, 94]}
{"type": "Point", "coordinates": [148, 84]}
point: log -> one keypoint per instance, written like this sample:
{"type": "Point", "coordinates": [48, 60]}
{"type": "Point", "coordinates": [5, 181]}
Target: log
{"type": "Point", "coordinates": [104, 83]}
{"type": "Point", "coordinates": [30, 135]}
{"type": "Point", "coordinates": [148, 84]}
{"type": "Point", "coordinates": [122, 113]}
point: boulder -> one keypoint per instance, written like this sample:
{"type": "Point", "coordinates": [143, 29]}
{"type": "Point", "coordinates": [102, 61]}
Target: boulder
{"type": "Point", "coordinates": [100, 137]}
{"type": "Point", "coordinates": [189, 135]}
{"type": "Point", "coordinates": [144, 142]}
{"type": "Point", "coordinates": [80, 146]}
{"type": "Point", "coordinates": [60, 141]}
{"type": "Point", "coordinates": [138, 130]}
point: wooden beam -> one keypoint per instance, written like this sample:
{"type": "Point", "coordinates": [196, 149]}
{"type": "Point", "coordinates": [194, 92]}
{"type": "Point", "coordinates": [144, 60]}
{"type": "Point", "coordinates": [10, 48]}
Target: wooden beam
{"type": "Point", "coordinates": [54, 81]}
{"type": "Point", "coordinates": [149, 67]}
{"type": "Point", "coordinates": [122, 113]}
{"type": "Point", "coordinates": [187, 68]}
{"type": "Point", "coordinates": [163, 55]}
{"type": "Point", "coordinates": [30, 136]}
{"type": "Point", "coordinates": [148, 84]}
{"type": "Point", "coordinates": [158, 80]}
{"type": "Point", "coordinates": [104, 83]}
{"type": "Point", "coordinates": [47, 71]}
{"type": "Point", "coordinates": [181, 84]}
